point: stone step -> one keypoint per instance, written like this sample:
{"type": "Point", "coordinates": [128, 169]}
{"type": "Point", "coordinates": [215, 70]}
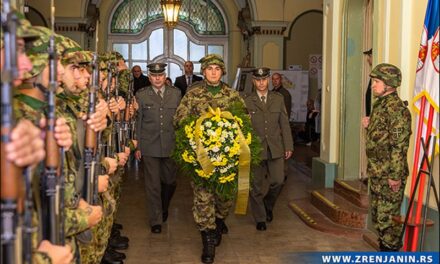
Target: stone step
{"type": "Point", "coordinates": [338, 209]}
{"type": "Point", "coordinates": [312, 217]}
{"type": "Point", "coordinates": [354, 191]}
{"type": "Point", "coordinates": [371, 239]}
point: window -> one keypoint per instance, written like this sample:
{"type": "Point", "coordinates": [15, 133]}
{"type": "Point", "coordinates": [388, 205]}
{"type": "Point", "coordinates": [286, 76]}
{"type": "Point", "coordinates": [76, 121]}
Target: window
{"type": "Point", "coordinates": [137, 32]}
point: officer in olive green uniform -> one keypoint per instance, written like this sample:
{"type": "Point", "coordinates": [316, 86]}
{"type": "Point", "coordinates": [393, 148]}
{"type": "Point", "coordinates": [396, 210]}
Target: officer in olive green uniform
{"type": "Point", "coordinates": [155, 131]}
{"type": "Point", "coordinates": [209, 209]}
{"type": "Point", "coordinates": [270, 121]}
{"type": "Point", "coordinates": [388, 133]}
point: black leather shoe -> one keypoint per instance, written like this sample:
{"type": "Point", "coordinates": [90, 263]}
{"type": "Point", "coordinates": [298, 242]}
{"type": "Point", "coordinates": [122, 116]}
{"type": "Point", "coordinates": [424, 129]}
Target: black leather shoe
{"type": "Point", "coordinates": [110, 258]}
{"type": "Point", "coordinates": [118, 244]}
{"type": "Point", "coordinates": [113, 254]}
{"type": "Point", "coordinates": [117, 226]}
{"type": "Point", "coordinates": [117, 236]}
{"type": "Point", "coordinates": [269, 215]}
{"type": "Point", "coordinates": [156, 229]}
{"type": "Point", "coordinates": [164, 216]}
{"type": "Point", "coordinates": [261, 226]}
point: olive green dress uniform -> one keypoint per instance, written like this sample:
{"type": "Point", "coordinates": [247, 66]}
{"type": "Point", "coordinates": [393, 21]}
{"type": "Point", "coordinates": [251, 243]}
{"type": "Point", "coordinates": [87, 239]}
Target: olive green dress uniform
{"type": "Point", "coordinates": [387, 143]}
{"type": "Point", "coordinates": [155, 132]}
{"type": "Point", "coordinates": [270, 122]}
{"type": "Point", "coordinates": [207, 205]}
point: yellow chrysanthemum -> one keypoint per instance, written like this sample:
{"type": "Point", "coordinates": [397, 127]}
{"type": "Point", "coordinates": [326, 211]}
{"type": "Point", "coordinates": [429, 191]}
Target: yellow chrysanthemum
{"type": "Point", "coordinates": [224, 179]}
{"type": "Point", "coordinates": [187, 157]}
{"type": "Point", "coordinates": [249, 139]}
{"type": "Point", "coordinates": [202, 174]}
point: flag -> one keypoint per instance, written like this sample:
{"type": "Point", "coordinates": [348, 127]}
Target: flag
{"type": "Point", "coordinates": [427, 74]}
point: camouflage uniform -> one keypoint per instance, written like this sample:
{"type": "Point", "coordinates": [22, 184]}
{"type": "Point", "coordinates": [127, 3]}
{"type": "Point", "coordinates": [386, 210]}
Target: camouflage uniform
{"type": "Point", "coordinates": [207, 205]}
{"type": "Point", "coordinates": [76, 220]}
{"type": "Point", "coordinates": [387, 144]}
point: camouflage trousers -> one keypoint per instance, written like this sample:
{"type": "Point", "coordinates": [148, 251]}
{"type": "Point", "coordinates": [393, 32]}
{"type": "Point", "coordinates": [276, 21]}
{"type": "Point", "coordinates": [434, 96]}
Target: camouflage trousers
{"type": "Point", "coordinates": [92, 253]}
{"type": "Point", "coordinates": [383, 207]}
{"type": "Point", "coordinates": [208, 206]}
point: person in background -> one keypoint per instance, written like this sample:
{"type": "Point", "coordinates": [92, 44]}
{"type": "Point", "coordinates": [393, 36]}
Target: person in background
{"type": "Point", "coordinates": [139, 79]}
{"type": "Point", "coordinates": [186, 80]}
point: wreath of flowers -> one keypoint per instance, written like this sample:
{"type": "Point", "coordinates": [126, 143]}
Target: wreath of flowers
{"type": "Point", "coordinates": [209, 148]}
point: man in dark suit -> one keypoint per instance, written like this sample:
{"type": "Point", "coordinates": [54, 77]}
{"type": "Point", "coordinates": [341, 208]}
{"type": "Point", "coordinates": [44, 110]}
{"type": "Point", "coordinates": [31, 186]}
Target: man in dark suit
{"type": "Point", "coordinates": [139, 80]}
{"type": "Point", "coordinates": [184, 81]}
{"type": "Point", "coordinates": [155, 131]}
{"type": "Point", "coordinates": [270, 123]}
{"type": "Point", "coordinates": [277, 82]}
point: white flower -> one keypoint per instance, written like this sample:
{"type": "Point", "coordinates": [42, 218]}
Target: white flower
{"type": "Point", "coordinates": [221, 124]}
{"type": "Point", "coordinates": [208, 124]}
{"type": "Point", "coordinates": [227, 149]}
{"type": "Point", "coordinates": [215, 149]}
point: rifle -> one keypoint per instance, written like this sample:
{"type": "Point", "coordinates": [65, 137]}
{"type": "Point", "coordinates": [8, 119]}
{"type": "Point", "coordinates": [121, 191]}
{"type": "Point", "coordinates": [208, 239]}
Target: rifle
{"type": "Point", "coordinates": [117, 131]}
{"type": "Point", "coordinates": [10, 173]}
{"type": "Point", "coordinates": [128, 120]}
{"type": "Point", "coordinates": [53, 224]}
{"type": "Point", "coordinates": [108, 151]}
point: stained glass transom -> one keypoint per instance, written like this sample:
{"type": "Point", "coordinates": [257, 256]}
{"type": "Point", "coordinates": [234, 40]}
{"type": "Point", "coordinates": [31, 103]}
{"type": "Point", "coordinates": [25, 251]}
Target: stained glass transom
{"type": "Point", "coordinates": [132, 15]}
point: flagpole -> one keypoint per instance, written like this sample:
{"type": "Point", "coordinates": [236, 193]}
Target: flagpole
{"type": "Point", "coordinates": [415, 237]}
{"type": "Point", "coordinates": [415, 169]}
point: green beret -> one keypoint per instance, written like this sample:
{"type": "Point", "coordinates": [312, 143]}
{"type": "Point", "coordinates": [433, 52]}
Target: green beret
{"type": "Point", "coordinates": [213, 59]}
{"type": "Point", "coordinates": [388, 73]}
{"type": "Point", "coordinates": [261, 73]}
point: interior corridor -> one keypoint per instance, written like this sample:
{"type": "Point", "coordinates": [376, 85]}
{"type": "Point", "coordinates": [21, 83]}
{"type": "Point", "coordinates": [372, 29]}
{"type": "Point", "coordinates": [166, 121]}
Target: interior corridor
{"type": "Point", "coordinates": [180, 242]}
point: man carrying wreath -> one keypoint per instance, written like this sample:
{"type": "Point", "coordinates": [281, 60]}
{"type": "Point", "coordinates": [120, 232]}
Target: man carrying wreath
{"type": "Point", "coordinates": [210, 209]}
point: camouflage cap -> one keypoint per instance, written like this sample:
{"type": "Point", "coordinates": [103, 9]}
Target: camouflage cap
{"type": "Point", "coordinates": [213, 59]}
{"type": "Point", "coordinates": [388, 73]}
{"type": "Point", "coordinates": [104, 58]}
{"type": "Point", "coordinates": [24, 29]}
{"type": "Point", "coordinates": [118, 56]}
{"type": "Point", "coordinates": [38, 52]}
{"type": "Point", "coordinates": [261, 73]}
{"type": "Point", "coordinates": [77, 58]}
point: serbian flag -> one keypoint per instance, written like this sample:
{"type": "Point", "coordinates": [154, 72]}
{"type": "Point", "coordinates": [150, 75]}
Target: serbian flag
{"type": "Point", "coordinates": [427, 75]}
{"type": "Point", "coordinates": [426, 104]}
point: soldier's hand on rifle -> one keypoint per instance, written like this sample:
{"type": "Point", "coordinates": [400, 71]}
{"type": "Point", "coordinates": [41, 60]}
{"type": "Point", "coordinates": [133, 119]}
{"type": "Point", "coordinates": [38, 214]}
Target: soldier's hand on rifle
{"type": "Point", "coordinates": [135, 104]}
{"type": "Point", "coordinates": [102, 183]}
{"type": "Point", "coordinates": [365, 121]}
{"type": "Point", "coordinates": [94, 213]}
{"type": "Point", "coordinates": [131, 110]}
{"type": "Point", "coordinates": [112, 165]}
{"type": "Point", "coordinates": [122, 158]}
{"type": "Point", "coordinates": [63, 134]}
{"type": "Point", "coordinates": [127, 151]}
{"type": "Point", "coordinates": [113, 106]}
{"type": "Point", "coordinates": [121, 103]}
{"type": "Point", "coordinates": [58, 254]}
{"type": "Point", "coordinates": [26, 147]}
{"type": "Point", "coordinates": [135, 143]}
{"type": "Point", "coordinates": [98, 120]}
{"type": "Point", "coordinates": [137, 154]}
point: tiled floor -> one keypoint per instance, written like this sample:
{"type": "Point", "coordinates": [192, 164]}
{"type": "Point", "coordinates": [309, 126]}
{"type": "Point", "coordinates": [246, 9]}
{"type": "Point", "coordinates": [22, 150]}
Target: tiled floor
{"type": "Point", "coordinates": [180, 242]}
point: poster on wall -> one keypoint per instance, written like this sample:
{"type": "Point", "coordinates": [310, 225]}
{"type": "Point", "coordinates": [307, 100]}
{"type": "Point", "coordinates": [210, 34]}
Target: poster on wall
{"type": "Point", "coordinates": [297, 83]}
{"type": "Point", "coordinates": [315, 65]}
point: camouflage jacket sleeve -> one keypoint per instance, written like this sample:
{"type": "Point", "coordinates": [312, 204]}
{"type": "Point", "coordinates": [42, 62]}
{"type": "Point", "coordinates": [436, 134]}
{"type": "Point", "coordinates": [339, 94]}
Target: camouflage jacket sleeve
{"type": "Point", "coordinates": [76, 221]}
{"type": "Point", "coordinates": [105, 166]}
{"type": "Point", "coordinates": [182, 111]}
{"type": "Point", "coordinates": [400, 132]}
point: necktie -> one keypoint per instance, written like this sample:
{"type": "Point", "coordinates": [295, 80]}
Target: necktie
{"type": "Point", "coordinates": [189, 80]}
{"type": "Point", "coordinates": [263, 99]}
{"type": "Point", "coordinates": [159, 92]}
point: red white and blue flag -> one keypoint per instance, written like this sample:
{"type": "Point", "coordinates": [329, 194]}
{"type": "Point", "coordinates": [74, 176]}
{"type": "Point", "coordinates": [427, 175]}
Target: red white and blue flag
{"type": "Point", "coordinates": [427, 75]}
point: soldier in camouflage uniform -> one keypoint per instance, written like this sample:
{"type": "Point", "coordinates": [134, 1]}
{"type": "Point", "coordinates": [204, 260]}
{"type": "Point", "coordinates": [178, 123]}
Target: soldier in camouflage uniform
{"type": "Point", "coordinates": [209, 210]}
{"type": "Point", "coordinates": [26, 147]}
{"type": "Point", "coordinates": [388, 133]}
{"type": "Point", "coordinates": [79, 216]}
